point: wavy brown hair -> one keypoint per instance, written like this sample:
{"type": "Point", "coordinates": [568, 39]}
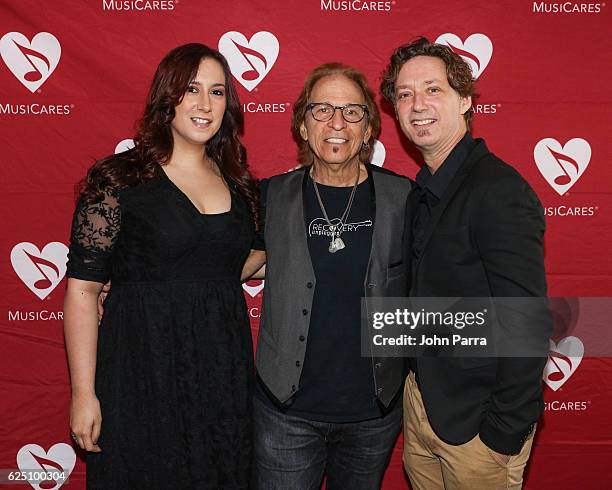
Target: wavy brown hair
{"type": "Point", "coordinates": [300, 107]}
{"type": "Point", "coordinates": [154, 141]}
{"type": "Point", "coordinates": [458, 72]}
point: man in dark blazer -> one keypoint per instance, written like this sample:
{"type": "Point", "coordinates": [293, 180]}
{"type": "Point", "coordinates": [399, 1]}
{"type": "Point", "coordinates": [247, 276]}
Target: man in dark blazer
{"type": "Point", "coordinates": [475, 230]}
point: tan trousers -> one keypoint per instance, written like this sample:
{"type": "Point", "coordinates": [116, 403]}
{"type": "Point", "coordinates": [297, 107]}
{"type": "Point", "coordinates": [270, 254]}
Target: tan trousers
{"type": "Point", "coordinates": [433, 464]}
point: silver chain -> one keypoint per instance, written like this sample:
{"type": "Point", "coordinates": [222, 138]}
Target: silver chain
{"type": "Point", "coordinates": [336, 231]}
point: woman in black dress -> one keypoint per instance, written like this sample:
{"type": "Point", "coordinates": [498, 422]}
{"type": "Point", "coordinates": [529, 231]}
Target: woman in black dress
{"type": "Point", "coordinates": [161, 388]}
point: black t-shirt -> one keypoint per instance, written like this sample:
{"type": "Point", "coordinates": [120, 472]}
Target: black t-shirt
{"type": "Point", "coordinates": [337, 383]}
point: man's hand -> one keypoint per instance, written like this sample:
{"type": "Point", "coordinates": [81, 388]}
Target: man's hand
{"type": "Point", "coordinates": [101, 298]}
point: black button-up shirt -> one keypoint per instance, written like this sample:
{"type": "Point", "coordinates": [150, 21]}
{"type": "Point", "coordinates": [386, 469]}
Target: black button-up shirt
{"type": "Point", "coordinates": [430, 189]}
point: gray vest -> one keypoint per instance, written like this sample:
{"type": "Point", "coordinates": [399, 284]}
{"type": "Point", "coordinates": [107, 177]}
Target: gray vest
{"type": "Point", "coordinates": [290, 280]}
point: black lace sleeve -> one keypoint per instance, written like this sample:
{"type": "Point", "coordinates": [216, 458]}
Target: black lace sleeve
{"type": "Point", "coordinates": [95, 228]}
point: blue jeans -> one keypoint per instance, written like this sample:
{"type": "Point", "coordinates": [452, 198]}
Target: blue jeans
{"type": "Point", "coordinates": [292, 453]}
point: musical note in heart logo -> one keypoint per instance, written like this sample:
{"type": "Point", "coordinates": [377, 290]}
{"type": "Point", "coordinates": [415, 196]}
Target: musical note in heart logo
{"type": "Point", "coordinates": [476, 50]}
{"type": "Point", "coordinates": [31, 62]}
{"type": "Point", "coordinates": [557, 373]}
{"type": "Point", "coordinates": [34, 75]}
{"type": "Point", "coordinates": [40, 271]}
{"type": "Point", "coordinates": [249, 60]}
{"type": "Point", "coordinates": [60, 458]}
{"type": "Point", "coordinates": [563, 360]}
{"type": "Point", "coordinates": [562, 166]}
{"type": "Point", "coordinates": [564, 178]}
{"type": "Point", "coordinates": [248, 53]}
{"type": "Point", "coordinates": [49, 466]}
{"type": "Point", "coordinates": [46, 281]}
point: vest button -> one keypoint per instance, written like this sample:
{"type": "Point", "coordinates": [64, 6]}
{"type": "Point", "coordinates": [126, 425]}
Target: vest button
{"type": "Point", "coordinates": [302, 338]}
{"type": "Point", "coordinates": [304, 312]}
{"type": "Point", "coordinates": [293, 388]}
{"type": "Point", "coordinates": [297, 363]}
{"type": "Point", "coordinates": [309, 285]}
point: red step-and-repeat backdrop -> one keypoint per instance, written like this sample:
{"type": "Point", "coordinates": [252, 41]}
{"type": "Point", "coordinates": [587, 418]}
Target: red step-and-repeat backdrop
{"type": "Point", "coordinates": [73, 79]}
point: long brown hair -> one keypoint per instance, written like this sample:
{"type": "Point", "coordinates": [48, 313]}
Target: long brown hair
{"type": "Point", "coordinates": [300, 107]}
{"type": "Point", "coordinates": [154, 141]}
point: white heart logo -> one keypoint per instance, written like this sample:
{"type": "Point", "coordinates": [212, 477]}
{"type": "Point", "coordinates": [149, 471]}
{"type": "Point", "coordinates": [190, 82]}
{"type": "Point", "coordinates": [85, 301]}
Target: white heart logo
{"type": "Point", "coordinates": [476, 50]}
{"type": "Point", "coordinates": [31, 62]}
{"type": "Point", "coordinates": [379, 154]}
{"type": "Point", "coordinates": [563, 360]}
{"type": "Point", "coordinates": [60, 458]}
{"type": "Point", "coordinates": [250, 60]}
{"type": "Point", "coordinates": [41, 271]}
{"type": "Point", "coordinates": [124, 145]}
{"type": "Point", "coordinates": [253, 290]}
{"type": "Point", "coordinates": [562, 166]}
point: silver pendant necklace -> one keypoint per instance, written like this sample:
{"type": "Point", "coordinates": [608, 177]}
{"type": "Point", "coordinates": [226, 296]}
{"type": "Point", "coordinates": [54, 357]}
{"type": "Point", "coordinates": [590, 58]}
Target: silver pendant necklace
{"type": "Point", "coordinates": [336, 241]}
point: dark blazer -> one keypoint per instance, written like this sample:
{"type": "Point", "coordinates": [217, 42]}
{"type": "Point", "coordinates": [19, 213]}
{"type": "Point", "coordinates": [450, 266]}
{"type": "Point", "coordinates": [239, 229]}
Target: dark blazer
{"type": "Point", "coordinates": [290, 280]}
{"type": "Point", "coordinates": [485, 239]}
